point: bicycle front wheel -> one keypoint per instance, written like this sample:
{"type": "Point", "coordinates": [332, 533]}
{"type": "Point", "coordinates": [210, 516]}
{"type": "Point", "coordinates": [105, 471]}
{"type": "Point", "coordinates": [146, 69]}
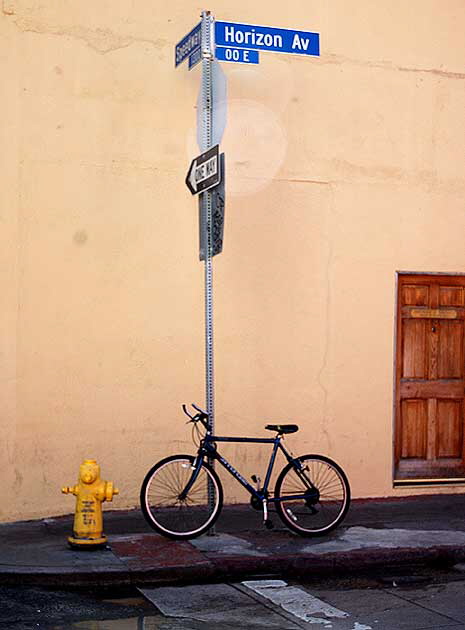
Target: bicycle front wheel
{"type": "Point", "coordinates": [175, 517]}
{"type": "Point", "coordinates": [324, 495]}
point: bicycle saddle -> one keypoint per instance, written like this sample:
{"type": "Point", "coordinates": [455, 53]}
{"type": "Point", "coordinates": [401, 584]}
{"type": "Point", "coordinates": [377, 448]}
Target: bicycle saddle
{"type": "Point", "coordinates": [282, 428]}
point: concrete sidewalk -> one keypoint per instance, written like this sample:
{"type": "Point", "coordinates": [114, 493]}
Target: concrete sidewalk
{"type": "Point", "coordinates": [387, 533]}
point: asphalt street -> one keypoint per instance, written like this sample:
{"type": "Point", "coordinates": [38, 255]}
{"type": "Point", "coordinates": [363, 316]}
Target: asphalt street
{"type": "Point", "coordinates": [394, 565]}
{"type": "Point", "coordinates": [426, 599]}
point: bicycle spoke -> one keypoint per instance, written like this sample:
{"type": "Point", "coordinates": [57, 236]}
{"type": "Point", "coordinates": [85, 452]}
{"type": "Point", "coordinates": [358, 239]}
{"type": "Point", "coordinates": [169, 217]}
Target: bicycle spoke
{"type": "Point", "coordinates": [163, 506]}
{"type": "Point", "coordinates": [320, 509]}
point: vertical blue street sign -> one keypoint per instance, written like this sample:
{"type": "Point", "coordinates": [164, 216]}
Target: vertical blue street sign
{"type": "Point", "coordinates": [188, 46]}
{"type": "Point", "coordinates": [253, 37]}
{"type": "Point", "coordinates": [239, 55]}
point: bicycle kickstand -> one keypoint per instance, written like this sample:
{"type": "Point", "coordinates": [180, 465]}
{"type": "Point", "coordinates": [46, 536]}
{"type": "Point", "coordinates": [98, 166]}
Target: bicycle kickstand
{"type": "Point", "coordinates": [266, 521]}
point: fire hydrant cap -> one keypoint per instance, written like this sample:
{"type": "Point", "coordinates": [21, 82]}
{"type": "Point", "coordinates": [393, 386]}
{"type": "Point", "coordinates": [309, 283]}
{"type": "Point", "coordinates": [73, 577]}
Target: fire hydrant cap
{"type": "Point", "coordinates": [110, 491]}
{"type": "Point", "coordinates": [89, 471]}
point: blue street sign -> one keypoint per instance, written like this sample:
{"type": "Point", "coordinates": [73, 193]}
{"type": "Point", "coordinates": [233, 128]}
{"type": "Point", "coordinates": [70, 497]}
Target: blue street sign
{"type": "Point", "coordinates": [188, 45]}
{"type": "Point", "coordinates": [237, 54]}
{"type": "Point", "coordinates": [194, 58]}
{"type": "Point", "coordinates": [281, 40]}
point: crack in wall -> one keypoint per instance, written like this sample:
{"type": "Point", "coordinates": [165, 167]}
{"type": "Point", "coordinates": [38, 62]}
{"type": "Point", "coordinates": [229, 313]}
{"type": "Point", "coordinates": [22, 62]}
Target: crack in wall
{"type": "Point", "coordinates": [102, 40]}
{"type": "Point", "coordinates": [324, 362]}
{"type": "Point", "coordinates": [439, 73]}
{"type": "Point", "coordinates": [296, 180]}
{"type": "Point", "coordinates": [388, 65]}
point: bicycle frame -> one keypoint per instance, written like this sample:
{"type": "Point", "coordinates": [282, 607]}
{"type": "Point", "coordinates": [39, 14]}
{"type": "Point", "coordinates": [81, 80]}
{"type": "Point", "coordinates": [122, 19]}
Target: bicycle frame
{"type": "Point", "coordinates": [208, 449]}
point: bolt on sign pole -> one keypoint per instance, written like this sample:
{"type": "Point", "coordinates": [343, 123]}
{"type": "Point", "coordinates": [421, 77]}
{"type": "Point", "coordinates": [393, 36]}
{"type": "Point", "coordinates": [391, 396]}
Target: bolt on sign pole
{"type": "Point", "coordinates": [206, 211]}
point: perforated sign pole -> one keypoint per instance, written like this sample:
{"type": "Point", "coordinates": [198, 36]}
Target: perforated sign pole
{"type": "Point", "coordinates": [206, 201]}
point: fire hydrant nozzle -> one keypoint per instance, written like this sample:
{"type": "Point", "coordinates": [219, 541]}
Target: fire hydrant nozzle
{"type": "Point", "coordinates": [90, 493]}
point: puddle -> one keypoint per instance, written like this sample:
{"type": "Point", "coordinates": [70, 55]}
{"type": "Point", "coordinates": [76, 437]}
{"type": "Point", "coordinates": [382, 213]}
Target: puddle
{"type": "Point", "coordinates": [134, 623]}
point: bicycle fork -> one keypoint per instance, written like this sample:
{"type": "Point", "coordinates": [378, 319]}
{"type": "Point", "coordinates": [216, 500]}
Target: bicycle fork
{"type": "Point", "coordinates": [195, 467]}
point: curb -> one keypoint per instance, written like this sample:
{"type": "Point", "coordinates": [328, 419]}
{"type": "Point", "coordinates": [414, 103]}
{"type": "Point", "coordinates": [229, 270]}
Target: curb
{"type": "Point", "coordinates": [311, 565]}
{"type": "Point", "coordinates": [231, 568]}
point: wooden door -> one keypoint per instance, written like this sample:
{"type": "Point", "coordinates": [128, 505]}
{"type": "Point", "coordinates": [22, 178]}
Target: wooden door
{"type": "Point", "coordinates": [430, 377]}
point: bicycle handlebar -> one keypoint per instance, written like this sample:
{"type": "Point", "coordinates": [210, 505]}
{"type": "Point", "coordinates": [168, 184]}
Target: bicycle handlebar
{"type": "Point", "coordinates": [184, 408]}
{"type": "Point", "coordinates": [204, 413]}
{"type": "Point", "coordinates": [200, 416]}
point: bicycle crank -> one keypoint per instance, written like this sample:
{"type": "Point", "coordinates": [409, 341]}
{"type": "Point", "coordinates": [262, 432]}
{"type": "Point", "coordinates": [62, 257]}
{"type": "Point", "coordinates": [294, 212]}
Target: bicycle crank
{"type": "Point", "coordinates": [266, 521]}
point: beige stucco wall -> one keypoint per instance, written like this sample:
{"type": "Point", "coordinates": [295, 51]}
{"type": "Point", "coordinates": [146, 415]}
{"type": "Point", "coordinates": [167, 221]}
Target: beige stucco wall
{"type": "Point", "coordinates": [340, 170]}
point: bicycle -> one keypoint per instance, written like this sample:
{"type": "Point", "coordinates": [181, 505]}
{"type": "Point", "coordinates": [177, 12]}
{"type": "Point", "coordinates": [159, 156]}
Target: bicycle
{"type": "Point", "coordinates": [181, 496]}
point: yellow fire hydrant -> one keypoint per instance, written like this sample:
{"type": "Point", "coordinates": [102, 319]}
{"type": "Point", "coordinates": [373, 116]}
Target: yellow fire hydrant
{"type": "Point", "coordinates": [91, 492]}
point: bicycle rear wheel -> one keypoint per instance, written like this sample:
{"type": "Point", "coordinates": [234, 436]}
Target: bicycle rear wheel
{"type": "Point", "coordinates": [162, 506]}
{"type": "Point", "coordinates": [326, 500]}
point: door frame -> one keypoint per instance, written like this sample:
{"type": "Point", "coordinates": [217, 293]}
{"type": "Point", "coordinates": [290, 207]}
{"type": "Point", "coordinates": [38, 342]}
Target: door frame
{"type": "Point", "coordinates": [397, 483]}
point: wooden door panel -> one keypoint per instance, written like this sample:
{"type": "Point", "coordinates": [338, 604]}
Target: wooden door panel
{"type": "Point", "coordinates": [451, 296]}
{"type": "Point", "coordinates": [430, 377]}
{"type": "Point", "coordinates": [450, 348]}
{"type": "Point", "coordinates": [450, 428]}
{"type": "Point", "coordinates": [414, 428]}
{"type": "Point", "coordinates": [415, 295]}
{"type": "Point", "coordinates": [414, 349]}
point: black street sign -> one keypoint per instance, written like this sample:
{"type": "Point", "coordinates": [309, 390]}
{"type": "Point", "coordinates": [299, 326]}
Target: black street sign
{"type": "Point", "coordinates": [204, 171]}
{"type": "Point", "coordinates": [217, 227]}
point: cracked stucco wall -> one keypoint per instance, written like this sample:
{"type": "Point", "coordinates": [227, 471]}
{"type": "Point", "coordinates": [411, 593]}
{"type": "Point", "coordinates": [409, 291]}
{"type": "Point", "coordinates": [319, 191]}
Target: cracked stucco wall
{"type": "Point", "coordinates": [340, 170]}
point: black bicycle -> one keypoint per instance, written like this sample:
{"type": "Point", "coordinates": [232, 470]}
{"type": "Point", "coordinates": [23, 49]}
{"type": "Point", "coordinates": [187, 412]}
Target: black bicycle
{"type": "Point", "coordinates": [181, 496]}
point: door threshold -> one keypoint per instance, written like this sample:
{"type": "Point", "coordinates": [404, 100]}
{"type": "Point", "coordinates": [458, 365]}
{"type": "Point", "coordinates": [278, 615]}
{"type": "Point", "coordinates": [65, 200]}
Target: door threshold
{"type": "Point", "coordinates": [453, 481]}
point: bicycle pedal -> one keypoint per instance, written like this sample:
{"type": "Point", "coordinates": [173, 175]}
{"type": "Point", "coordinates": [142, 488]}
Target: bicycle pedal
{"type": "Point", "coordinates": [269, 524]}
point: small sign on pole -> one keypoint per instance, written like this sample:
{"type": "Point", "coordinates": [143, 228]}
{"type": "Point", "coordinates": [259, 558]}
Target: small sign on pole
{"type": "Point", "coordinates": [218, 204]}
{"type": "Point", "coordinates": [238, 55]}
{"type": "Point", "coordinates": [204, 172]}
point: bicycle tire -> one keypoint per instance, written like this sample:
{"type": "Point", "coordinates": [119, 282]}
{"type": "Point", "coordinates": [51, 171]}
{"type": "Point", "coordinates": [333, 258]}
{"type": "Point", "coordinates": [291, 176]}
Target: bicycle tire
{"type": "Point", "coordinates": [165, 512]}
{"type": "Point", "coordinates": [318, 516]}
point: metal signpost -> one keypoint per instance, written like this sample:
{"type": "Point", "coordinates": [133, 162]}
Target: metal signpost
{"type": "Point", "coordinates": [206, 226]}
{"type": "Point", "coordinates": [204, 173]}
{"type": "Point", "coordinates": [206, 206]}
{"type": "Point", "coordinates": [209, 41]}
